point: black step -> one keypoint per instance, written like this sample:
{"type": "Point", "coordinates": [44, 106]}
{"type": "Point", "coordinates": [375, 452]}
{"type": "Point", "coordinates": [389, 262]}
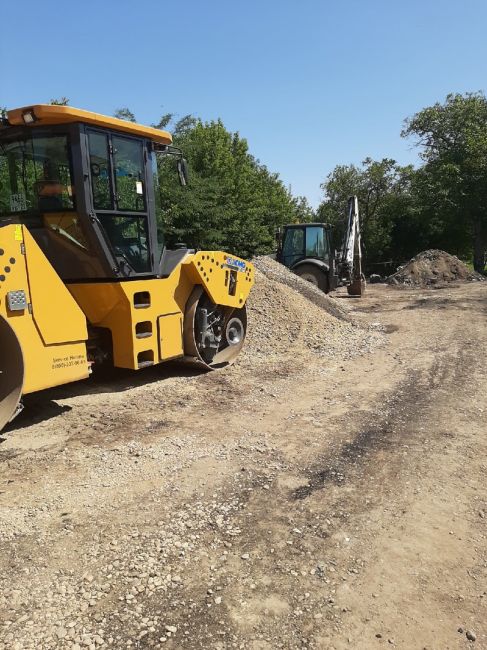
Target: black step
{"type": "Point", "coordinates": [145, 364]}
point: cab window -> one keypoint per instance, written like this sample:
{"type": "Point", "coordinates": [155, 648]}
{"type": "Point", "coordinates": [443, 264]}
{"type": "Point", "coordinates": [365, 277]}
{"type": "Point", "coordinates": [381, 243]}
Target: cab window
{"type": "Point", "coordinates": [129, 174]}
{"type": "Point", "coordinates": [100, 171]}
{"type": "Point", "coordinates": [293, 246]}
{"type": "Point", "coordinates": [117, 169]}
{"type": "Point", "coordinates": [129, 239]}
{"type": "Point", "coordinates": [158, 207]}
{"type": "Point", "coordinates": [316, 245]}
{"type": "Point", "coordinates": [35, 175]}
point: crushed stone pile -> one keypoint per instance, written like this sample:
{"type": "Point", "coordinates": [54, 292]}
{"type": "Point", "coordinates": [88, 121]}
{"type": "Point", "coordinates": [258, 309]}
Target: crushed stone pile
{"type": "Point", "coordinates": [433, 268]}
{"type": "Point", "coordinates": [289, 317]}
{"type": "Point", "coordinates": [275, 271]}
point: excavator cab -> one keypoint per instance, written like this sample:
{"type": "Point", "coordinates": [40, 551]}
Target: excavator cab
{"type": "Point", "coordinates": [85, 275]}
{"type": "Point", "coordinates": [305, 248]}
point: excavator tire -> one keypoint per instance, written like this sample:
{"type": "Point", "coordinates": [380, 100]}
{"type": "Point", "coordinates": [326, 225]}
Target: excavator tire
{"type": "Point", "coordinates": [314, 275]}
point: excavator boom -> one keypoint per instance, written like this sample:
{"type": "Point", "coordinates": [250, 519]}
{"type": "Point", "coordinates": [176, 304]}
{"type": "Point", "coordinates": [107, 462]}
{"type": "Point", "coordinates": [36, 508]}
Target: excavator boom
{"type": "Point", "coordinates": [349, 265]}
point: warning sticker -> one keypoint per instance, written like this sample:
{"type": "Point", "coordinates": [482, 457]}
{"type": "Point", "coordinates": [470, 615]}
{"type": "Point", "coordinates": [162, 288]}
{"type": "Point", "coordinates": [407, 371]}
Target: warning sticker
{"type": "Point", "coordinates": [18, 236]}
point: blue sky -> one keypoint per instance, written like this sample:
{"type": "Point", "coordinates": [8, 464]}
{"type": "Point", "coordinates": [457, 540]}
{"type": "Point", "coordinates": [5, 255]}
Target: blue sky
{"type": "Point", "coordinates": [310, 84]}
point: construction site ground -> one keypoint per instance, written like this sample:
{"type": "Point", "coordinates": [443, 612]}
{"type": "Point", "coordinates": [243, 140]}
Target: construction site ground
{"type": "Point", "coordinates": [295, 500]}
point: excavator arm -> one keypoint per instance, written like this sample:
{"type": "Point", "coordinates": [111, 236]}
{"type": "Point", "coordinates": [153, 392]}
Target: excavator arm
{"type": "Point", "coordinates": [350, 259]}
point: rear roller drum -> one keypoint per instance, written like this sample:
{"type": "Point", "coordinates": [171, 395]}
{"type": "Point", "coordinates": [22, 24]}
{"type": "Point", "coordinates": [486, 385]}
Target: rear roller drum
{"type": "Point", "coordinates": [213, 334]}
{"type": "Point", "coordinates": [11, 373]}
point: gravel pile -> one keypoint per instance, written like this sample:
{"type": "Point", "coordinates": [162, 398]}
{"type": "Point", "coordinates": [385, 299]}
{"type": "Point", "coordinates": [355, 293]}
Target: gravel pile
{"type": "Point", "coordinates": [278, 272]}
{"type": "Point", "coordinates": [290, 317]}
{"type": "Point", "coordinates": [432, 268]}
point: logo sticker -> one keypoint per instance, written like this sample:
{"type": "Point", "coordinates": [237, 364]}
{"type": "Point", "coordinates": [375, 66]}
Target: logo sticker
{"type": "Point", "coordinates": [236, 264]}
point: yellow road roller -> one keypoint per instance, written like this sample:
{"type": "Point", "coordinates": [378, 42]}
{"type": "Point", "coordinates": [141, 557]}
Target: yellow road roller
{"type": "Point", "coordinates": [85, 276]}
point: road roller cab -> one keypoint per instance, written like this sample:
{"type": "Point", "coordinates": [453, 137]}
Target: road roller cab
{"type": "Point", "coordinates": [85, 276]}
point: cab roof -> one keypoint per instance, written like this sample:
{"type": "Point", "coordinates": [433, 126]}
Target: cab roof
{"type": "Point", "coordinates": [50, 114]}
{"type": "Point", "coordinates": [307, 224]}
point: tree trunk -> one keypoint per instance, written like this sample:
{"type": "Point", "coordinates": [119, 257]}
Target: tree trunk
{"type": "Point", "coordinates": [479, 245]}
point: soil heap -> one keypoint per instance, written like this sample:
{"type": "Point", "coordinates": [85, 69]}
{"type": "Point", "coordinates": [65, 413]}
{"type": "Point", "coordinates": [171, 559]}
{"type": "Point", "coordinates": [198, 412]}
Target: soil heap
{"type": "Point", "coordinates": [433, 268]}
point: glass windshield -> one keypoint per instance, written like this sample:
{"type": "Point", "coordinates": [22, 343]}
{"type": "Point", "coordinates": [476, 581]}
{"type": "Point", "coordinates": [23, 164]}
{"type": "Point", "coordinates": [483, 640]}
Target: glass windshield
{"type": "Point", "coordinates": [35, 175]}
{"type": "Point", "coordinates": [293, 246]}
{"type": "Point", "coordinates": [316, 242]}
{"type": "Point", "coordinates": [129, 174]}
{"type": "Point", "coordinates": [129, 239]}
{"type": "Point", "coordinates": [100, 171]}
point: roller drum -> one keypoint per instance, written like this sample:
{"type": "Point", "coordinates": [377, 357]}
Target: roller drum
{"type": "Point", "coordinates": [11, 373]}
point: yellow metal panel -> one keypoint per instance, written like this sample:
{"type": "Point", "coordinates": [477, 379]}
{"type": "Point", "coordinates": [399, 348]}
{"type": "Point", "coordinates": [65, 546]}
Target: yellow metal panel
{"type": "Point", "coordinates": [45, 365]}
{"type": "Point", "coordinates": [217, 271]}
{"type": "Point", "coordinates": [56, 314]}
{"type": "Point", "coordinates": [46, 114]}
{"type": "Point", "coordinates": [112, 304]}
{"type": "Point", "coordinates": [170, 330]}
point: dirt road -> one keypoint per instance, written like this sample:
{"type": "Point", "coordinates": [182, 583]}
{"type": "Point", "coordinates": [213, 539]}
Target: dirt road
{"type": "Point", "coordinates": [297, 502]}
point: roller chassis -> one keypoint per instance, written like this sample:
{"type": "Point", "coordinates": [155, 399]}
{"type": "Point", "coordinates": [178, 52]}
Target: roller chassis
{"type": "Point", "coordinates": [76, 297]}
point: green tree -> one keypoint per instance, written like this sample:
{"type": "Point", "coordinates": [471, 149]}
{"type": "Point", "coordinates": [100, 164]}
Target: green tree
{"type": "Point", "coordinates": [62, 101]}
{"type": "Point", "coordinates": [453, 141]}
{"type": "Point", "coordinates": [384, 192]}
{"type": "Point", "coordinates": [233, 202]}
{"type": "Point", "coordinates": [164, 121]}
{"type": "Point", "coordinates": [124, 113]}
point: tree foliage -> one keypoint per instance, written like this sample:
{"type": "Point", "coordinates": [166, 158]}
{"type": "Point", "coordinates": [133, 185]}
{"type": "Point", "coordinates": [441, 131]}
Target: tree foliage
{"type": "Point", "coordinates": [384, 193]}
{"type": "Point", "coordinates": [441, 204]}
{"type": "Point", "coordinates": [124, 113]}
{"type": "Point", "coordinates": [233, 202]}
{"type": "Point", "coordinates": [61, 101]}
{"type": "Point", "coordinates": [453, 141]}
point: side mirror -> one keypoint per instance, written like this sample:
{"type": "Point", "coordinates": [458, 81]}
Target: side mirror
{"type": "Point", "coordinates": [183, 172]}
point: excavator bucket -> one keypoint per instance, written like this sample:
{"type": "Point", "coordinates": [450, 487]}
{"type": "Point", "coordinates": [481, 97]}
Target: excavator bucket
{"type": "Point", "coordinates": [357, 287]}
{"type": "Point", "coordinates": [11, 373]}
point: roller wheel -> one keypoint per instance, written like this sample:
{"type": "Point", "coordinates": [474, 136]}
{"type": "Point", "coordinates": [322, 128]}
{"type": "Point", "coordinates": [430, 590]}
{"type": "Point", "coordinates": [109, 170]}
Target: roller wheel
{"type": "Point", "coordinates": [213, 334]}
{"type": "Point", "coordinates": [11, 373]}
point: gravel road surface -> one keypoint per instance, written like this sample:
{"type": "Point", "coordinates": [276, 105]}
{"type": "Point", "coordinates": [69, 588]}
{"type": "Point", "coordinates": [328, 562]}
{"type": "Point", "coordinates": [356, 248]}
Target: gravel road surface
{"type": "Point", "coordinates": [328, 491]}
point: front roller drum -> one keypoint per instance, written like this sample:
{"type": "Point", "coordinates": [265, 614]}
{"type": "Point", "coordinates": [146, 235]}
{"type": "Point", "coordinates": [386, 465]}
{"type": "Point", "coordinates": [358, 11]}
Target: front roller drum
{"type": "Point", "coordinates": [213, 334]}
{"type": "Point", "coordinates": [11, 373]}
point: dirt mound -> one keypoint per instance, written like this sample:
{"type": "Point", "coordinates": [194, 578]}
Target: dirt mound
{"type": "Point", "coordinates": [288, 317]}
{"type": "Point", "coordinates": [433, 268]}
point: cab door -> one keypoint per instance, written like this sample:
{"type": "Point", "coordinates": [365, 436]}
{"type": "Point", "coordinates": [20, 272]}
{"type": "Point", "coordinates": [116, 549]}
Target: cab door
{"type": "Point", "coordinates": [120, 192]}
{"type": "Point", "coordinates": [293, 246]}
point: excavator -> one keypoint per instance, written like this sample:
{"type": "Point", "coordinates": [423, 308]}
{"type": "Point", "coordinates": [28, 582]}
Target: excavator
{"type": "Point", "coordinates": [306, 249]}
{"type": "Point", "coordinates": [86, 278]}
